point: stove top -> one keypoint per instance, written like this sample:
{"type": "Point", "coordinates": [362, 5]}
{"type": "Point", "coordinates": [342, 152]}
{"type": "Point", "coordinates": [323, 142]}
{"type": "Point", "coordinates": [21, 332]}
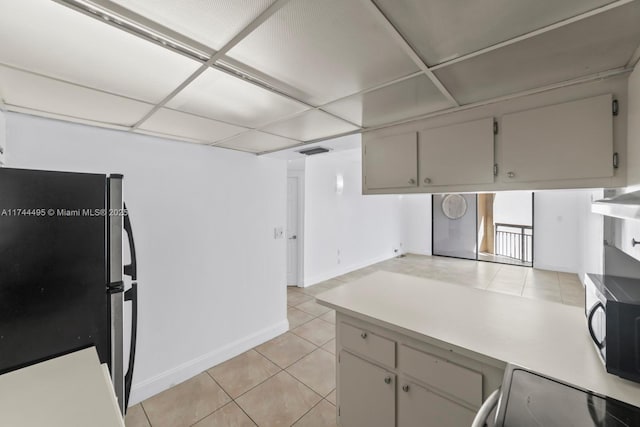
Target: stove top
{"type": "Point", "coordinates": [532, 400]}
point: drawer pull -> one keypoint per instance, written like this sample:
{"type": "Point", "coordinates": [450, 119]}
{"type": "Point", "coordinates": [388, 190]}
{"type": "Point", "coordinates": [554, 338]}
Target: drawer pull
{"type": "Point", "coordinates": [363, 335]}
{"type": "Point", "coordinates": [387, 380]}
{"type": "Point", "coordinates": [405, 388]}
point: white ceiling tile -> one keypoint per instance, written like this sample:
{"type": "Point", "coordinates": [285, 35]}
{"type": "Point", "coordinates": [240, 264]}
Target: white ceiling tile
{"type": "Point", "coordinates": [599, 43]}
{"type": "Point", "coordinates": [220, 96]}
{"type": "Point", "coordinates": [212, 22]}
{"type": "Point", "coordinates": [409, 98]}
{"type": "Point", "coordinates": [441, 30]}
{"type": "Point", "coordinates": [257, 142]}
{"type": "Point", "coordinates": [51, 39]}
{"type": "Point", "coordinates": [30, 91]}
{"type": "Point", "coordinates": [310, 125]}
{"type": "Point", "coordinates": [326, 48]}
{"type": "Point", "coordinates": [178, 124]}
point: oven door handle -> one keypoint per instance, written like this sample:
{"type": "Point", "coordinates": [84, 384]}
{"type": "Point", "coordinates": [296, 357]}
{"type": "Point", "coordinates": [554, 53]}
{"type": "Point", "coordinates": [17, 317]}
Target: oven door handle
{"type": "Point", "coordinates": [592, 312]}
{"type": "Point", "coordinates": [481, 417]}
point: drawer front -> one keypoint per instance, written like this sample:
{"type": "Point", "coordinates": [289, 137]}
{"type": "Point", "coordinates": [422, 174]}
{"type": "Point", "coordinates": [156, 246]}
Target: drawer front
{"type": "Point", "coordinates": [440, 374]}
{"type": "Point", "coordinates": [369, 345]}
{"type": "Point", "coordinates": [418, 406]}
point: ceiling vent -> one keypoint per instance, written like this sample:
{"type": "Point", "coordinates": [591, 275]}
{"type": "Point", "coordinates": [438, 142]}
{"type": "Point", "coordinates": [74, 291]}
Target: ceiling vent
{"type": "Point", "coordinates": [314, 150]}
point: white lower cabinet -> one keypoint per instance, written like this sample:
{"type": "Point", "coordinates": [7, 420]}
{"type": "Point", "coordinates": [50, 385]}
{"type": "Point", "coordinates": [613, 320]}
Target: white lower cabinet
{"type": "Point", "coordinates": [367, 393]}
{"type": "Point", "coordinates": [419, 407]}
{"type": "Point", "coordinates": [386, 379]}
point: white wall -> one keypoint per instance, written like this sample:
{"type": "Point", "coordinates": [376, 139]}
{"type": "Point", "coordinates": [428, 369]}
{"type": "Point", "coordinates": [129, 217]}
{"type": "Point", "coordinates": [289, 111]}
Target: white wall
{"type": "Point", "coordinates": [416, 224]}
{"type": "Point", "coordinates": [563, 228]}
{"type": "Point", "coordinates": [211, 274]}
{"type": "Point", "coordinates": [512, 207]}
{"type": "Point", "coordinates": [3, 138]}
{"type": "Point", "coordinates": [345, 231]}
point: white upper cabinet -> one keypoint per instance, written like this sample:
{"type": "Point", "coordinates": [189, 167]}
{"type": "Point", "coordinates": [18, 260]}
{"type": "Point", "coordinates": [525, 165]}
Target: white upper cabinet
{"type": "Point", "coordinates": [573, 140]}
{"type": "Point", "coordinates": [458, 154]}
{"type": "Point", "coordinates": [391, 162]}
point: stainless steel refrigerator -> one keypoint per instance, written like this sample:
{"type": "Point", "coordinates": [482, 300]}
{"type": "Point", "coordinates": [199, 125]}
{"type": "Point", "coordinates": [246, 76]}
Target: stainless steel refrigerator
{"type": "Point", "coordinates": [62, 283]}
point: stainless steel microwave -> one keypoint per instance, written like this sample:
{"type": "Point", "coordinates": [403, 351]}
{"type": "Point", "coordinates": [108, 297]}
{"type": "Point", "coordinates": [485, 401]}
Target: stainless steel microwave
{"type": "Point", "coordinates": [612, 308]}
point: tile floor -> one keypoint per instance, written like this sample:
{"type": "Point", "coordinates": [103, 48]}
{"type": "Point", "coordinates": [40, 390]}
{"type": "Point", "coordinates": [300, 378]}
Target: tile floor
{"type": "Point", "coordinates": [290, 380]}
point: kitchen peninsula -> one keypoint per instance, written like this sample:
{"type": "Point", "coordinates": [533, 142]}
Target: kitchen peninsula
{"type": "Point", "coordinates": [442, 349]}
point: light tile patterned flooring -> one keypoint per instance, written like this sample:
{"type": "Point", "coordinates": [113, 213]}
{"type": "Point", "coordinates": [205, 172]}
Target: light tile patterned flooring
{"type": "Point", "coordinates": [290, 380]}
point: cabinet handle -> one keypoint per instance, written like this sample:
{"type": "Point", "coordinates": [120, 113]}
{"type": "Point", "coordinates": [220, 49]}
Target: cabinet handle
{"type": "Point", "coordinates": [511, 174]}
{"type": "Point", "coordinates": [412, 181]}
{"type": "Point", "coordinates": [405, 388]}
{"type": "Point", "coordinates": [387, 380]}
{"type": "Point", "coordinates": [363, 335]}
{"type": "Point", "coordinates": [427, 180]}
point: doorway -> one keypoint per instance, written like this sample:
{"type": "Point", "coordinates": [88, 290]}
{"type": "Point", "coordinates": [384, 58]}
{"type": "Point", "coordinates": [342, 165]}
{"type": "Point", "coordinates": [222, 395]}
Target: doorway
{"type": "Point", "coordinates": [294, 229]}
{"type": "Point", "coordinates": [493, 227]}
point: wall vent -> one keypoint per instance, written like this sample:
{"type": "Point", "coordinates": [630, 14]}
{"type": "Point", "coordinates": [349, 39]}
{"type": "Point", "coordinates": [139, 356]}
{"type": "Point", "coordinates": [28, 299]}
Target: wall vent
{"type": "Point", "coordinates": [314, 150]}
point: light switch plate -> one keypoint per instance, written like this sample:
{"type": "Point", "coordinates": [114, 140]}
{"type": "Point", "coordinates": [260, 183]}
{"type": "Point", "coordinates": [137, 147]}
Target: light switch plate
{"type": "Point", "coordinates": [278, 233]}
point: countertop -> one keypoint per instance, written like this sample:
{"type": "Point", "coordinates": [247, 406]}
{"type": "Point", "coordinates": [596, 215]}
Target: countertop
{"type": "Point", "coordinates": [543, 336]}
{"type": "Point", "coordinates": [69, 391]}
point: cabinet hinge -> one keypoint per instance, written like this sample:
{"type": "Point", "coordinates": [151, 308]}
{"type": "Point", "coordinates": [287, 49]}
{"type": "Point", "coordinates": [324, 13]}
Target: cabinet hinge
{"type": "Point", "coordinates": [338, 358]}
{"type": "Point", "coordinates": [495, 128]}
{"type": "Point", "coordinates": [495, 169]}
{"type": "Point", "coordinates": [338, 411]}
{"type": "Point", "coordinates": [614, 107]}
{"type": "Point", "coordinates": [616, 161]}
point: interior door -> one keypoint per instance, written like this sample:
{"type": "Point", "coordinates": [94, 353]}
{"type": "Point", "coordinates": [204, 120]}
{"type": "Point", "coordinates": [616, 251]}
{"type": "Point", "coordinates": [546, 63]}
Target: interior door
{"type": "Point", "coordinates": [292, 231]}
{"type": "Point", "coordinates": [455, 225]}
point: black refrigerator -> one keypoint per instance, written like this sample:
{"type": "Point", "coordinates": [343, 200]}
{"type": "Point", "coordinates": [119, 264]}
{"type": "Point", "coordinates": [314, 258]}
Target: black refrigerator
{"type": "Point", "coordinates": [62, 283]}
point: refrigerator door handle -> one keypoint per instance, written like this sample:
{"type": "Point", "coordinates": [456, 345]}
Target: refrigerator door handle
{"type": "Point", "coordinates": [130, 269]}
{"type": "Point", "coordinates": [132, 296]}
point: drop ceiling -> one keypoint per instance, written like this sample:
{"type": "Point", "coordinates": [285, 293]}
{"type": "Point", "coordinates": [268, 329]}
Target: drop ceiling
{"type": "Point", "coordinates": [264, 75]}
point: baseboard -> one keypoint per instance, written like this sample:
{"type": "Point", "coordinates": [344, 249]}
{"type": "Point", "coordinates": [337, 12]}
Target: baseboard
{"type": "Point", "coordinates": [167, 379]}
{"type": "Point", "coordinates": [310, 281]}
{"type": "Point", "coordinates": [562, 269]}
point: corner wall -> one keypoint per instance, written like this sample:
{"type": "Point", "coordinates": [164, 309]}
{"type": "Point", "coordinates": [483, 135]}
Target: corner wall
{"type": "Point", "coordinates": [211, 275]}
{"type": "Point", "coordinates": [344, 232]}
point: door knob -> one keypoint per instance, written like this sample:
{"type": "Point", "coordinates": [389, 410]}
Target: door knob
{"type": "Point", "coordinates": [511, 174]}
{"type": "Point", "coordinates": [412, 181]}
{"type": "Point", "coordinates": [405, 388]}
{"type": "Point", "coordinates": [427, 180]}
{"type": "Point", "coordinates": [634, 242]}
{"type": "Point", "coordinates": [363, 335]}
{"type": "Point", "coordinates": [293, 237]}
{"type": "Point", "coordinates": [387, 380]}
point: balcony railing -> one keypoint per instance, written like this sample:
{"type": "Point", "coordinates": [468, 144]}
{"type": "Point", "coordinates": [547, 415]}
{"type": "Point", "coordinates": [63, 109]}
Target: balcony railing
{"type": "Point", "coordinates": [514, 241]}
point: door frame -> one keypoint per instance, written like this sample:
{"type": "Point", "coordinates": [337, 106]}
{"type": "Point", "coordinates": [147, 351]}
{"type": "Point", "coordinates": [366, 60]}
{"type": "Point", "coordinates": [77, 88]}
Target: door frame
{"type": "Point", "coordinates": [299, 176]}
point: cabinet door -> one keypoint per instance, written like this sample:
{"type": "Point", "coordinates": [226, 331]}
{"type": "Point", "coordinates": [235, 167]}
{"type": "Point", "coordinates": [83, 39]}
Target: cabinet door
{"type": "Point", "coordinates": [566, 141]}
{"type": "Point", "coordinates": [391, 162]}
{"type": "Point", "coordinates": [458, 154]}
{"type": "Point", "coordinates": [366, 393]}
{"type": "Point", "coordinates": [419, 407]}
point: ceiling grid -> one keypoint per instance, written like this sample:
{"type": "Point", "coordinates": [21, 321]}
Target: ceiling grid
{"type": "Point", "coordinates": [276, 74]}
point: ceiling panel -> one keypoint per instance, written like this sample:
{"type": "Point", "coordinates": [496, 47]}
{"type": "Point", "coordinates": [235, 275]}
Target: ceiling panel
{"type": "Point", "coordinates": [409, 98]}
{"type": "Point", "coordinates": [257, 142]}
{"type": "Point", "coordinates": [310, 125]}
{"type": "Point", "coordinates": [30, 91]}
{"type": "Point", "coordinates": [54, 40]}
{"type": "Point", "coordinates": [218, 95]}
{"type": "Point", "coordinates": [592, 45]}
{"type": "Point", "coordinates": [177, 124]}
{"type": "Point", "coordinates": [441, 30]}
{"type": "Point", "coordinates": [326, 48]}
{"type": "Point", "coordinates": [212, 22]}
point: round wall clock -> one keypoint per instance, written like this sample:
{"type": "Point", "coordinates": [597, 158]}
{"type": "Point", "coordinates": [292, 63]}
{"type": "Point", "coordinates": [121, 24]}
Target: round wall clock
{"type": "Point", "coordinates": [454, 206]}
